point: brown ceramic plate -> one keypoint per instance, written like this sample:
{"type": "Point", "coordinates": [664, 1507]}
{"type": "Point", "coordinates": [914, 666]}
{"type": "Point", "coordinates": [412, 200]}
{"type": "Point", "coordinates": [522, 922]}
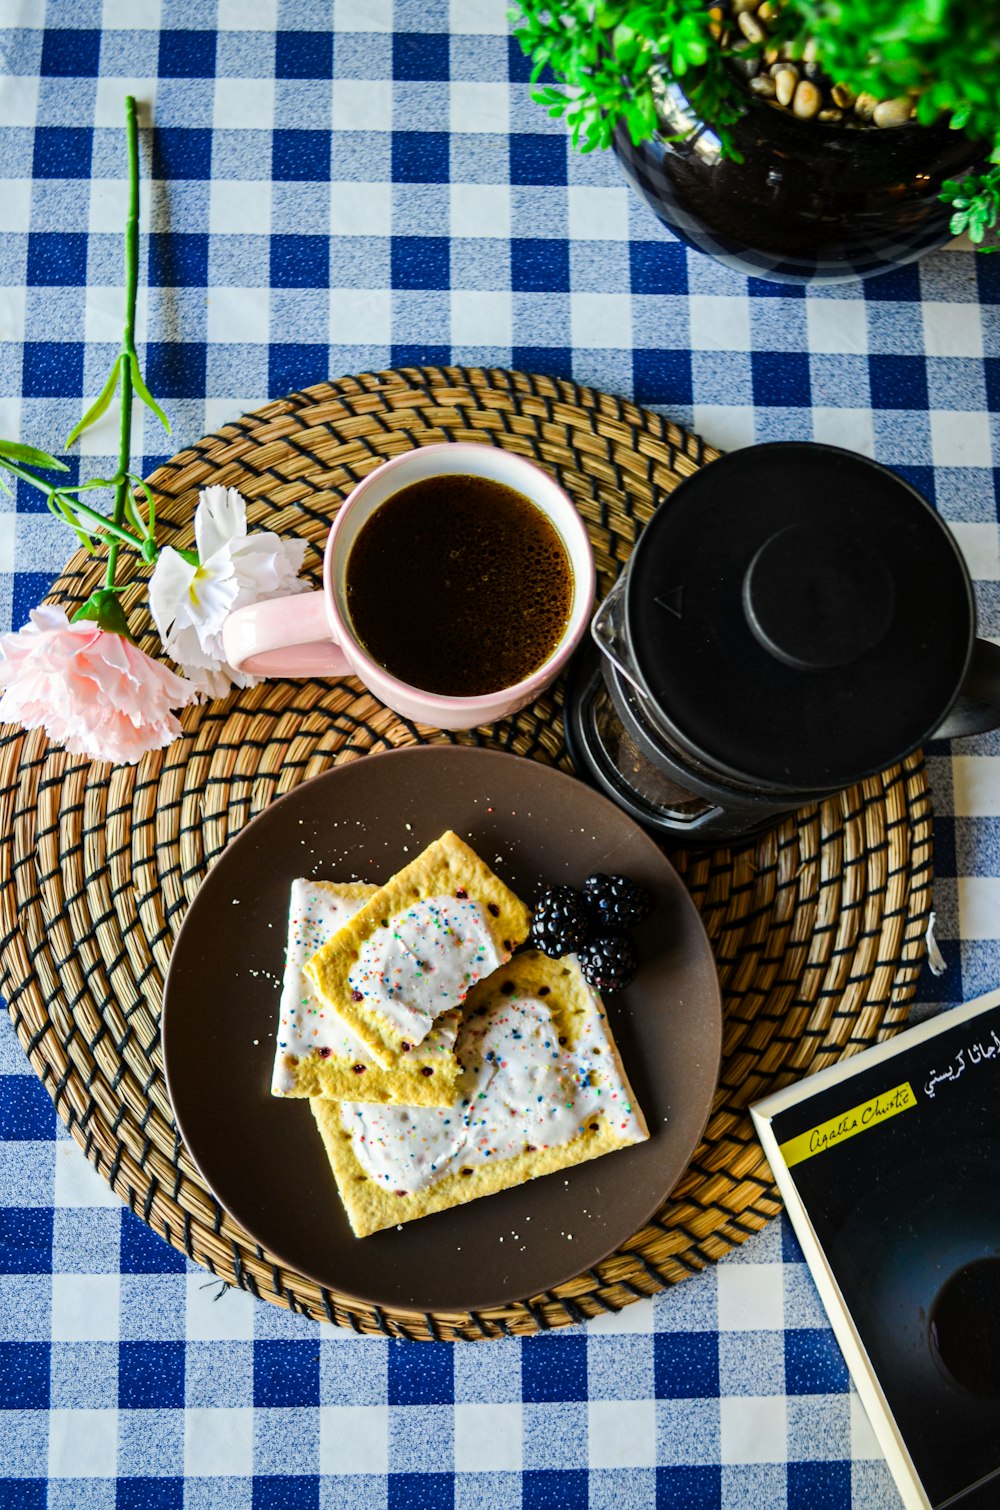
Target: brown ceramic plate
{"type": "Point", "coordinates": [262, 1156]}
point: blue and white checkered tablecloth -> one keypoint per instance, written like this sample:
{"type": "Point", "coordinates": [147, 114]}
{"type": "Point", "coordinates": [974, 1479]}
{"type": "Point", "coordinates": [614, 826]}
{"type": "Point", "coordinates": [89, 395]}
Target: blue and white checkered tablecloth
{"type": "Point", "coordinates": [337, 188]}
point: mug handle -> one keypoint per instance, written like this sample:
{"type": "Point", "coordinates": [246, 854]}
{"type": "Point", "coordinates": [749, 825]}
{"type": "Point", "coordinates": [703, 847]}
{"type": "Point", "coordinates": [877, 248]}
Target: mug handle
{"type": "Point", "coordinates": [284, 637]}
{"type": "Point", "coordinates": [977, 707]}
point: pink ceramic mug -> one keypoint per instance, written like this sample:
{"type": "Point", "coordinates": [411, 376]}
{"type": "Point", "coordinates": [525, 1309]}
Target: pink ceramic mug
{"type": "Point", "coordinates": [311, 634]}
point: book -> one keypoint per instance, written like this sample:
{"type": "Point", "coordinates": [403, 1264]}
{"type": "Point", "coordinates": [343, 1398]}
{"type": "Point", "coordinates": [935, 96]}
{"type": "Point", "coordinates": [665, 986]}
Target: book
{"type": "Point", "coordinates": [889, 1167]}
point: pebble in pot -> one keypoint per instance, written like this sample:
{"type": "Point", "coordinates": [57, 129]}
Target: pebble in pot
{"type": "Point", "coordinates": [807, 100]}
{"type": "Point", "coordinates": [890, 113]}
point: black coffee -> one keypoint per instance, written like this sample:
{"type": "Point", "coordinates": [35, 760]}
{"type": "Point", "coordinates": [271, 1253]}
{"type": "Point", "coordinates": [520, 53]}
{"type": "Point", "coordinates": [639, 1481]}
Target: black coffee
{"type": "Point", "coordinates": [459, 586]}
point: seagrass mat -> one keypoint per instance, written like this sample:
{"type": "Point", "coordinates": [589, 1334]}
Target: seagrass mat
{"type": "Point", "coordinates": [818, 928]}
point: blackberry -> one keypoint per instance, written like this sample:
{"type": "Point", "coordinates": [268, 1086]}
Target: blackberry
{"type": "Point", "coordinates": [560, 924]}
{"type": "Point", "coordinates": [615, 901]}
{"type": "Point", "coordinates": [608, 961]}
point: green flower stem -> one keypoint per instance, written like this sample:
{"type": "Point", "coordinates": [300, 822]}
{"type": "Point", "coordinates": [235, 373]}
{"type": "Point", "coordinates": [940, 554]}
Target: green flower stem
{"type": "Point", "coordinates": [103, 524]}
{"type": "Point", "coordinates": [21, 461]}
{"type": "Point", "coordinates": [128, 360]}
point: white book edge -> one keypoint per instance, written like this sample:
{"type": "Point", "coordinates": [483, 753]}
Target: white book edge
{"type": "Point", "coordinates": [859, 1364]}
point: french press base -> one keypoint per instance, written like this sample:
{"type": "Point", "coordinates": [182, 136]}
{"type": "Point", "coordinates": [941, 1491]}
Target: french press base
{"type": "Point", "coordinates": [611, 746]}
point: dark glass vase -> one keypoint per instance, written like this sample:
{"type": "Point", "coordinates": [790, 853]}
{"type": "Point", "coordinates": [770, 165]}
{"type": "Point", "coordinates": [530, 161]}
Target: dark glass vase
{"type": "Point", "coordinates": [810, 202]}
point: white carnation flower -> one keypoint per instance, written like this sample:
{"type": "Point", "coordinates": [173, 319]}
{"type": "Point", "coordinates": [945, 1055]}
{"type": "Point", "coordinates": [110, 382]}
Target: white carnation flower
{"type": "Point", "coordinates": [190, 601]}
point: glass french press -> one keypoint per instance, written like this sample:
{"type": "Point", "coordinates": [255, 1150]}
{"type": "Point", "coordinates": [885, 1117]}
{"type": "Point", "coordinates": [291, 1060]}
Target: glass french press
{"type": "Point", "coordinates": [793, 618]}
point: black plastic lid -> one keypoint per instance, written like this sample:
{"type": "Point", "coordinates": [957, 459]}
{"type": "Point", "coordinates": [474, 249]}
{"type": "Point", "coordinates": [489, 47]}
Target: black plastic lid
{"type": "Point", "coordinates": [799, 616]}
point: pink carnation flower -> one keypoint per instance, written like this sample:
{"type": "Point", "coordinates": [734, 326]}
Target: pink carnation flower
{"type": "Point", "coordinates": [93, 692]}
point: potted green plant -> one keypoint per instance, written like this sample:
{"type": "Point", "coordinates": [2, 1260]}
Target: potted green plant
{"type": "Point", "coordinates": [798, 140]}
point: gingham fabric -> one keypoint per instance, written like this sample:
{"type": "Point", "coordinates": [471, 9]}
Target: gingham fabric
{"type": "Point", "coordinates": [335, 189]}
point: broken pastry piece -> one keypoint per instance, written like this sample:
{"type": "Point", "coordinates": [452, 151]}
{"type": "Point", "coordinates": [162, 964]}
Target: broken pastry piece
{"type": "Point", "coordinates": [542, 1087]}
{"type": "Point", "coordinates": [417, 947]}
{"type": "Point", "coordinates": [316, 1053]}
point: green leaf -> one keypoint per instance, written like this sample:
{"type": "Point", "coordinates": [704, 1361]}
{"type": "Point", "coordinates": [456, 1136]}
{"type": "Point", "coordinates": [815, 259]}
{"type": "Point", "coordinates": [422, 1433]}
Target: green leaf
{"type": "Point", "coordinates": [104, 608]}
{"type": "Point", "coordinates": [927, 110]}
{"type": "Point", "coordinates": [87, 487]}
{"type": "Point", "coordinates": [975, 91]}
{"type": "Point", "coordinates": [98, 407]}
{"type": "Point", "coordinates": [62, 509]}
{"type": "Point", "coordinates": [144, 394]}
{"type": "Point", "coordinates": [15, 450]}
{"type": "Point", "coordinates": [142, 493]}
{"type": "Point", "coordinates": [133, 515]}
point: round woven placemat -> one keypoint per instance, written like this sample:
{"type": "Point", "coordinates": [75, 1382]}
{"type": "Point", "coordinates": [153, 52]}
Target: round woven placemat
{"type": "Point", "coordinates": [818, 928]}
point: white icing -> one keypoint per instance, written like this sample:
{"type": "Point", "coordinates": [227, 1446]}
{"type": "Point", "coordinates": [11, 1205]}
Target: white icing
{"type": "Point", "coordinates": [306, 1022]}
{"type": "Point", "coordinates": [519, 1088]}
{"type": "Point", "coordinates": [423, 962]}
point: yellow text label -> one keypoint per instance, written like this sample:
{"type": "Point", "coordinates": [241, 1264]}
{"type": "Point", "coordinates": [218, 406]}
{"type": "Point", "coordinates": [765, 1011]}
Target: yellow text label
{"type": "Point", "coordinates": [848, 1124]}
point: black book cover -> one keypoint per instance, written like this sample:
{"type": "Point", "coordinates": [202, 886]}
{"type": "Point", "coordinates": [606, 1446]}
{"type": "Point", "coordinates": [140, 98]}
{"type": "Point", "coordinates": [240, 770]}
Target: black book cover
{"type": "Point", "coordinates": [897, 1166]}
